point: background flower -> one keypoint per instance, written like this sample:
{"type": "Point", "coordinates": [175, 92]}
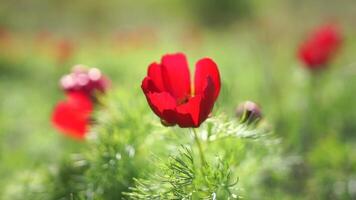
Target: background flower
{"type": "Point", "coordinates": [318, 49]}
{"type": "Point", "coordinates": [85, 80]}
{"type": "Point", "coordinates": [72, 116]}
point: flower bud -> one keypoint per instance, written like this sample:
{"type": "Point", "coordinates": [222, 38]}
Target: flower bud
{"type": "Point", "coordinates": [248, 112]}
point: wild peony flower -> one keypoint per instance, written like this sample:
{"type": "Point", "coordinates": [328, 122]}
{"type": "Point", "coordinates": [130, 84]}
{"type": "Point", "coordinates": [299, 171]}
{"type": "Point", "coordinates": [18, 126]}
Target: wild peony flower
{"type": "Point", "coordinates": [320, 47]}
{"type": "Point", "coordinates": [43, 37]}
{"type": "Point", "coordinates": [72, 116]}
{"type": "Point", "coordinates": [171, 95]}
{"type": "Point", "coordinates": [5, 38]}
{"type": "Point", "coordinates": [64, 50]}
{"type": "Point", "coordinates": [87, 81]}
{"type": "Point", "coordinates": [248, 112]}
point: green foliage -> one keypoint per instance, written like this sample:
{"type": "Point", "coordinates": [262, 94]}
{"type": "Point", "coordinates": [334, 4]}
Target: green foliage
{"type": "Point", "coordinates": [113, 151]}
{"type": "Point", "coordinates": [114, 162]}
{"type": "Point", "coordinates": [182, 178]}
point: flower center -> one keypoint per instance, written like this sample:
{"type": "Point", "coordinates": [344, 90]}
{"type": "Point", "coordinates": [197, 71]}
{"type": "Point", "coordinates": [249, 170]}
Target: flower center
{"type": "Point", "coordinates": [183, 100]}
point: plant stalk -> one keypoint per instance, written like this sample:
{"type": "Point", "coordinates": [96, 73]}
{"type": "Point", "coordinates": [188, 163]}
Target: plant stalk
{"type": "Point", "coordinates": [197, 141]}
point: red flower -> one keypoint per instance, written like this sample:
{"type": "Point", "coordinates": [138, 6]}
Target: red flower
{"type": "Point", "coordinates": [320, 47]}
{"type": "Point", "coordinates": [87, 81]}
{"type": "Point", "coordinates": [5, 38]}
{"type": "Point", "coordinates": [171, 96]}
{"type": "Point", "coordinates": [64, 50]}
{"type": "Point", "coordinates": [72, 116]}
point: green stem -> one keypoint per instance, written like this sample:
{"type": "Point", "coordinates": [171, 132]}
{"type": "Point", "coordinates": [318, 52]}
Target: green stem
{"type": "Point", "coordinates": [197, 141]}
{"type": "Point", "coordinates": [310, 117]}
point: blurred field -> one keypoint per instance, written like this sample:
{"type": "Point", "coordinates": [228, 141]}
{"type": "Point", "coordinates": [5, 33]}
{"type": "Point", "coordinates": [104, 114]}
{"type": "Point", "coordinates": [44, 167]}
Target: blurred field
{"type": "Point", "coordinates": [256, 54]}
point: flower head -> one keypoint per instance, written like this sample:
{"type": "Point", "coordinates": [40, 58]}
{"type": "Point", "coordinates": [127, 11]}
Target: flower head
{"type": "Point", "coordinates": [320, 47]}
{"type": "Point", "coordinates": [5, 38]}
{"type": "Point", "coordinates": [87, 81]}
{"type": "Point", "coordinates": [171, 95]}
{"type": "Point", "coordinates": [64, 50]}
{"type": "Point", "coordinates": [72, 116]}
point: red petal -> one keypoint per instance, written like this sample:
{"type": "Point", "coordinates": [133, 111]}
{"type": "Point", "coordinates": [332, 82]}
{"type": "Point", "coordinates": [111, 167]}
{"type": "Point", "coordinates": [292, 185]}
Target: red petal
{"type": "Point", "coordinates": [313, 56]}
{"type": "Point", "coordinates": [72, 116]}
{"type": "Point", "coordinates": [198, 108]}
{"type": "Point", "coordinates": [164, 105]}
{"type": "Point", "coordinates": [206, 68]}
{"type": "Point", "coordinates": [81, 101]}
{"type": "Point", "coordinates": [148, 85]}
{"type": "Point", "coordinates": [175, 74]}
{"type": "Point", "coordinates": [188, 113]}
{"type": "Point", "coordinates": [208, 100]}
{"type": "Point", "coordinates": [155, 72]}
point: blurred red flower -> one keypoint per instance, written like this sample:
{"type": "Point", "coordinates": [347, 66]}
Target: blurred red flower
{"type": "Point", "coordinates": [320, 46]}
{"type": "Point", "coordinates": [72, 116]}
{"type": "Point", "coordinates": [43, 37]}
{"type": "Point", "coordinates": [171, 96]}
{"type": "Point", "coordinates": [64, 50]}
{"type": "Point", "coordinates": [85, 80]}
{"type": "Point", "coordinates": [5, 37]}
